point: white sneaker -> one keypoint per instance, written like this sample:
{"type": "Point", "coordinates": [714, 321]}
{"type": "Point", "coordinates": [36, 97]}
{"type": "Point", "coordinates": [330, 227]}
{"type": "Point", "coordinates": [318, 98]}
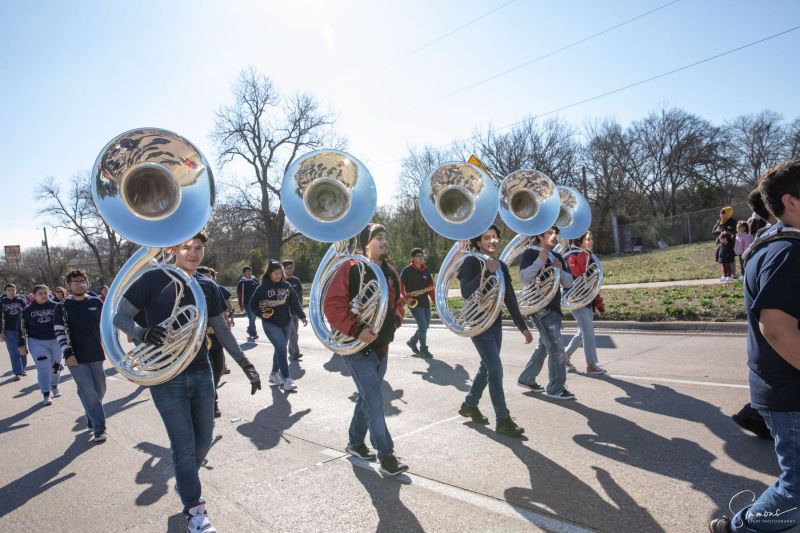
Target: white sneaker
{"type": "Point", "coordinates": [46, 400]}
{"type": "Point", "coordinates": [722, 278]}
{"type": "Point", "coordinates": [288, 385]}
{"type": "Point", "coordinates": [55, 392]}
{"type": "Point", "coordinates": [275, 380]}
{"type": "Point", "coordinates": [198, 521]}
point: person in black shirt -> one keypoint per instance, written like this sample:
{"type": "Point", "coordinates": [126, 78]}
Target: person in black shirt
{"type": "Point", "coordinates": [416, 277]}
{"type": "Point", "coordinates": [215, 353]}
{"type": "Point", "coordinates": [37, 331]}
{"type": "Point", "coordinates": [185, 402]}
{"type": "Point", "coordinates": [548, 320]}
{"type": "Point", "coordinates": [275, 302]}
{"type": "Point", "coordinates": [11, 306]}
{"type": "Point", "coordinates": [772, 304]}
{"type": "Point", "coordinates": [488, 343]}
{"type": "Point", "coordinates": [77, 328]}
{"type": "Point", "coordinates": [294, 281]}
{"type": "Point", "coordinates": [244, 291]}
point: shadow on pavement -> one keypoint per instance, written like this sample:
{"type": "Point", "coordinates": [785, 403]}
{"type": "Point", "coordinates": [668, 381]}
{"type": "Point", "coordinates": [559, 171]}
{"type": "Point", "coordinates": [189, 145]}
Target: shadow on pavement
{"type": "Point", "coordinates": [393, 515]}
{"type": "Point", "coordinates": [265, 429]}
{"type": "Point", "coordinates": [444, 375]}
{"type": "Point", "coordinates": [20, 491]}
{"type": "Point", "coordinates": [7, 424]}
{"type": "Point", "coordinates": [555, 490]}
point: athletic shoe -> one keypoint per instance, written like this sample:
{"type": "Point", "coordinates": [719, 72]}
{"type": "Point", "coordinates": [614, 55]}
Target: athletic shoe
{"type": "Point", "coordinates": [722, 278]}
{"type": "Point", "coordinates": [595, 370]}
{"type": "Point", "coordinates": [563, 394]}
{"type": "Point", "coordinates": [24, 373]}
{"type": "Point", "coordinates": [46, 400]}
{"type": "Point", "coordinates": [424, 353]}
{"type": "Point", "coordinates": [296, 357]}
{"type": "Point", "coordinates": [197, 521]}
{"type": "Point", "coordinates": [288, 385]}
{"type": "Point", "coordinates": [275, 379]}
{"type": "Point", "coordinates": [226, 370]}
{"type": "Point", "coordinates": [99, 437]}
{"type": "Point", "coordinates": [535, 387]}
{"type": "Point", "coordinates": [473, 412]}
{"type": "Point", "coordinates": [362, 452]}
{"type": "Point", "coordinates": [413, 346]}
{"type": "Point", "coordinates": [757, 426]}
{"type": "Point", "coordinates": [55, 392]}
{"type": "Point", "coordinates": [391, 466]}
{"type": "Point", "coordinates": [572, 369]}
{"type": "Point", "coordinates": [508, 427]}
{"type": "Point", "coordinates": [217, 412]}
{"type": "Point", "coordinates": [720, 525]}
{"type": "Point", "coordinates": [17, 377]}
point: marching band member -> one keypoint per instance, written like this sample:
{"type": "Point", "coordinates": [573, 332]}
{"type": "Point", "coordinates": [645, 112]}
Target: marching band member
{"type": "Point", "coordinates": [37, 329]}
{"type": "Point", "coordinates": [274, 301]}
{"type": "Point", "coordinates": [368, 367]}
{"type": "Point", "coordinates": [415, 278]}
{"type": "Point", "coordinates": [185, 402]}
{"type": "Point", "coordinates": [489, 342]}
{"type": "Point", "coordinates": [548, 320]}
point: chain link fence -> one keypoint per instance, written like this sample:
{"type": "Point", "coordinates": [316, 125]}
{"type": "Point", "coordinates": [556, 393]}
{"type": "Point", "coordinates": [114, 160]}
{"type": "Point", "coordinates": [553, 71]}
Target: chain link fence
{"type": "Point", "coordinates": [685, 228]}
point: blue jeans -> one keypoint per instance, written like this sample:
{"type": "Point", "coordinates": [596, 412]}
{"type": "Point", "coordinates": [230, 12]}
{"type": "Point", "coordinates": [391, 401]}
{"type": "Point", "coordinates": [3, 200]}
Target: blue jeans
{"type": "Point", "coordinates": [251, 322]}
{"type": "Point", "coordinates": [368, 372]}
{"type": "Point", "coordinates": [46, 353]}
{"type": "Point", "coordinates": [549, 325]}
{"type": "Point", "coordinates": [585, 335]}
{"type": "Point", "coordinates": [422, 315]}
{"type": "Point", "coordinates": [91, 382]}
{"type": "Point", "coordinates": [490, 371]}
{"type": "Point", "coordinates": [186, 405]}
{"type": "Point", "coordinates": [777, 507]}
{"type": "Point", "coordinates": [17, 359]}
{"type": "Point", "coordinates": [279, 337]}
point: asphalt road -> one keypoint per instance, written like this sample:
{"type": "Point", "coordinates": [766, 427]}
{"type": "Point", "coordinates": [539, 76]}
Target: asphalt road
{"type": "Point", "coordinates": [650, 447]}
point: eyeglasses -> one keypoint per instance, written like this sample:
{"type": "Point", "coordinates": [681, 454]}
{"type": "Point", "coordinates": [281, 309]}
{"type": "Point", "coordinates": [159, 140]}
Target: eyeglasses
{"type": "Point", "coordinates": [74, 282]}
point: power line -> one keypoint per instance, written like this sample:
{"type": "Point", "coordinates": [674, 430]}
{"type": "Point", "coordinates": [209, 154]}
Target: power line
{"type": "Point", "coordinates": [554, 52]}
{"type": "Point", "coordinates": [471, 22]}
{"type": "Point", "coordinates": [658, 76]}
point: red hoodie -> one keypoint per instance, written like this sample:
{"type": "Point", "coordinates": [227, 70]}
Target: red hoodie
{"type": "Point", "coordinates": [577, 266]}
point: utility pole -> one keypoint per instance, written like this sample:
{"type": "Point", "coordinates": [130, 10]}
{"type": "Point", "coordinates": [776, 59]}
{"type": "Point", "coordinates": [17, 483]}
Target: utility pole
{"type": "Point", "coordinates": [47, 249]}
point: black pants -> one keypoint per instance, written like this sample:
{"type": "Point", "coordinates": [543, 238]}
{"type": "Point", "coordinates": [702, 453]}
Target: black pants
{"type": "Point", "coordinates": [217, 357]}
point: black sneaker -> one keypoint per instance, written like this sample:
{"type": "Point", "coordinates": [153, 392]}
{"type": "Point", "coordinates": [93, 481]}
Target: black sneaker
{"type": "Point", "coordinates": [413, 346]}
{"type": "Point", "coordinates": [507, 426]}
{"type": "Point", "coordinates": [474, 413]}
{"type": "Point", "coordinates": [534, 387]}
{"type": "Point", "coordinates": [296, 357]}
{"type": "Point", "coordinates": [217, 412]}
{"type": "Point", "coordinates": [759, 427]}
{"type": "Point", "coordinates": [563, 394]}
{"type": "Point", "coordinates": [362, 452]}
{"type": "Point", "coordinates": [424, 353]}
{"type": "Point", "coordinates": [391, 466]}
{"type": "Point", "coordinates": [226, 370]}
{"type": "Point", "coordinates": [720, 525]}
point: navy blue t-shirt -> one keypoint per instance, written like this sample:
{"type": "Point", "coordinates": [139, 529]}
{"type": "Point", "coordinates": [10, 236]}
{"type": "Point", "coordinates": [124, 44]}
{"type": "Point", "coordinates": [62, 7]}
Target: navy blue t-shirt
{"type": "Point", "coordinates": [280, 291]}
{"type": "Point", "coordinates": [772, 281]}
{"type": "Point", "coordinates": [83, 323]}
{"type": "Point", "coordinates": [155, 293]}
{"type": "Point", "coordinates": [10, 309]}
{"type": "Point", "coordinates": [38, 320]}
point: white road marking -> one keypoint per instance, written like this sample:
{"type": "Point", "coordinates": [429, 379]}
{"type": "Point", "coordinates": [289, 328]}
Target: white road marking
{"type": "Point", "coordinates": [681, 381]}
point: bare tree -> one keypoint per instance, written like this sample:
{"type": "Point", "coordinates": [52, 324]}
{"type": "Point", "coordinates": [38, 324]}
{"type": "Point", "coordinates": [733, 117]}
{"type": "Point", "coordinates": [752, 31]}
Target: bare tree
{"type": "Point", "coordinates": [266, 133]}
{"type": "Point", "coordinates": [75, 211]}
{"type": "Point", "coordinates": [757, 141]}
{"type": "Point", "coordinates": [793, 139]}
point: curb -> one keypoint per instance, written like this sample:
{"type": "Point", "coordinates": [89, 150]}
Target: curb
{"type": "Point", "coordinates": [739, 328]}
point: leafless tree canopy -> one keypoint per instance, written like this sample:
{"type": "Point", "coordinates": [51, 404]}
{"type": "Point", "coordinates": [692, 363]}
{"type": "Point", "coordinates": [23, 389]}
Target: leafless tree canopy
{"type": "Point", "coordinates": [264, 132]}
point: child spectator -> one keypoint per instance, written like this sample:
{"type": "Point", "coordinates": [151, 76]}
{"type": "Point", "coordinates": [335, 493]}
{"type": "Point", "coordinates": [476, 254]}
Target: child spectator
{"type": "Point", "coordinates": [725, 255]}
{"type": "Point", "coordinates": [743, 241]}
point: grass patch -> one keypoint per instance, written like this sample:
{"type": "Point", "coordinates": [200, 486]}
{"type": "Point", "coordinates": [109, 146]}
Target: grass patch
{"type": "Point", "coordinates": [688, 261]}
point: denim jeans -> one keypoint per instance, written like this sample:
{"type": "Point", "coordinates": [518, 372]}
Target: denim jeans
{"type": "Point", "coordinates": [294, 349]}
{"type": "Point", "coordinates": [490, 371]}
{"type": "Point", "coordinates": [91, 382]}
{"type": "Point", "coordinates": [777, 507]}
{"type": "Point", "coordinates": [186, 405]}
{"type": "Point", "coordinates": [549, 325]}
{"type": "Point", "coordinates": [279, 337]}
{"type": "Point", "coordinates": [368, 372]}
{"type": "Point", "coordinates": [422, 315]}
{"type": "Point", "coordinates": [46, 353]}
{"type": "Point", "coordinates": [585, 335]}
{"type": "Point", "coordinates": [251, 322]}
{"type": "Point", "coordinates": [18, 361]}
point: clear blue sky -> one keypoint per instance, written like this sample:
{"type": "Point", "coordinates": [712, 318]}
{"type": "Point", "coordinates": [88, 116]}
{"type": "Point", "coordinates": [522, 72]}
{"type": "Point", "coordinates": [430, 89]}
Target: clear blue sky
{"type": "Point", "coordinates": [75, 74]}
